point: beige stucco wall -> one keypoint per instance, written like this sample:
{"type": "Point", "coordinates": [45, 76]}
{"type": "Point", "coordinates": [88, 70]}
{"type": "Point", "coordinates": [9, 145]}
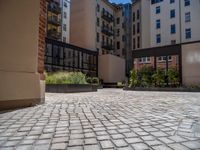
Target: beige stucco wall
{"type": "Point", "coordinates": [19, 30]}
{"type": "Point", "coordinates": [111, 68]}
{"type": "Point", "coordinates": [83, 24]}
{"type": "Point", "coordinates": [191, 64]}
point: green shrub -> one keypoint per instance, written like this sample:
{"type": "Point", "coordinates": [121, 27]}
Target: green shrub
{"type": "Point", "coordinates": [145, 76]}
{"type": "Point", "coordinates": [133, 79]}
{"type": "Point", "coordinates": [66, 78]}
{"type": "Point", "coordinates": [120, 84]}
{"type": "Point", "coordinates": [95, 80]}
{"type": "Point", "coordinates": [173, 77]}
{"type": "Point", "coordinates": [159, 78]}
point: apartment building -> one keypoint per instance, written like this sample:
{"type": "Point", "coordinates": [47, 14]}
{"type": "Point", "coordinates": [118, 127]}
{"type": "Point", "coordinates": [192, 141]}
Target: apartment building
{"type": "Point", "coordinates": [58, 17]}
{"type": "Point", "coordinates": [157, 24]}
{"type": "Point", "coordinates": [65, 10]}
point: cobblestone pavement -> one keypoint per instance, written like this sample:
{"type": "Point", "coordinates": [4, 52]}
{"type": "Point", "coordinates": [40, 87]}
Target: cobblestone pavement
{"type": "Point", "coordinates": [107, 119]}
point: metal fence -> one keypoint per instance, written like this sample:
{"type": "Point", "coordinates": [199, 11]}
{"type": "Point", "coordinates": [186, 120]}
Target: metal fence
{"type": "Point", "coordinates": [61, 56]}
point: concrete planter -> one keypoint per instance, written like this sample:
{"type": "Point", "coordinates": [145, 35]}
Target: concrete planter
{"type": "Point", "coordinates": [70, 88]}
{"type": "Point", "coordinates": [167, 89]}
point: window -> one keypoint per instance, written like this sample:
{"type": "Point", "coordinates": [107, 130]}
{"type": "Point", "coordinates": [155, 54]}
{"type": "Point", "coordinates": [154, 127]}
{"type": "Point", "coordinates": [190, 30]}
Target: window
{"type": "Point", "coordinates": [158, 24]}
{"type": "Point", "coordinates": [187, 17]}
{"type": "Point", "coordinates": [65, 15]}
{"type": "Point", "coordinates": [188, 33]}
{"type": "Point", "coordinates": [64, 39]}
{"type": "Point", "coordinates": [98, 22]}
{"type": "Point", "coordinates": [187, 2]}
{"type": "Point", "coordinates": [122, 13]}
{"type": "Point", "coordinates": [138, 27]}
{"type": "Point", "coordinates": [134, 43]}
{"type": "Point", "coordinates": [173, 42]}
{"type": "Point", "coordinates": [133, 17]}
{"type": "Point", "coordinates": [97, 37]}
{"type": "Point", "coordinates": [65, 27]}
{"type": "Point", "coordinates": [138, 42]}
{"type": "Point", "coordinates": [158, 38]}
{"type": "Point", "coordinates": [172, 1]}
{"type": "Point", "coordinates": [98, 8]}
{"type": "Point", "coordinates": [173, 29]}
{"type": "Point", "coordinates": [118, 32]}
{"type": "Point", "coordinates": [133, 29]}
{"type": "Point", "coordinates": [163, 58]}
{"type": "Point", "coordinates": [118, 45]}
{"type": "Point", "coordinates": [158, 10]}
{"type": "Point", "coordinates": [156, 1]}
{"type": "Point", "coordinates": [138, 14]}
{"type": "Point", "coordinates": [123, 38]}
{"type": "Point", "coordinates": [144, 60]}
{"type": "Point", "coordinates": [118, 20]}
{"type": "Point", "coordinates": [65, 4]}
{"type": "Point", "coordinates": [172, 13]}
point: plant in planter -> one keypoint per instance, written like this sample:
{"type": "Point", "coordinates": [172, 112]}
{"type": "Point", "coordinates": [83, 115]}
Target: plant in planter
{"type": "Point", "coordinates": [173, 77]}
{"type": "Point", "coordinates": [145, 76]}
{"type": "Point", "coordinates": [66, 78]}
{"type": "Point", "coordinates": [159, 78]}
{"type": "Point", "coordinates": [133, 79]}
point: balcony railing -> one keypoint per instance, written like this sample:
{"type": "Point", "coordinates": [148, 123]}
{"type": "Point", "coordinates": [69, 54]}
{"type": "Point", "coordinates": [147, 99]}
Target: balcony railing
{"type": "Point", "coordinates": [54, 20]}
{"type": "Point", "coordinates": [53, 34]}
{"type": "Point", "coordinates": [107, 16]}
{"type": "Point", "coordinates": [107, 31]}
{"type": "Point", "coordinates": [107, 46]}
{"type": "Point", "coordinates": [54, 7]}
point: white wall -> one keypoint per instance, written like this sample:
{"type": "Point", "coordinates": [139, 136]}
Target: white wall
{"type": "Point", "coordinates": [166, 23]}
{"type": "Point", "coordinates": [194, 10]}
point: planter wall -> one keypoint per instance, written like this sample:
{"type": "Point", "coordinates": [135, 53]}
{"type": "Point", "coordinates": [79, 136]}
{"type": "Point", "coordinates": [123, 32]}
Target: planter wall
{"type": "Point", "coordinates": [70, 88]}
{"type": "Point", "coordinates": [181, 89]}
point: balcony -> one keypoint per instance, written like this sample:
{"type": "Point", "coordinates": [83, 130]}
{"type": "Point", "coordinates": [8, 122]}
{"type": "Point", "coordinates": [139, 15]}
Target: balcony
{"type": "Point", "coordinates": [107, 46]}
{"type": "Point", "coordinates": [107, 16]}
{"type": "Point", "coordinates": [54, 20]}
{"type": "Point", "coordinates": [54, 7]}
{"type": "Point", "coordinates": [54, 34]}
{"type": "Point", "coordinates": [107, 31]}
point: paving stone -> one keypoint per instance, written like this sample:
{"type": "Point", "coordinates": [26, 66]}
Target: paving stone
{"type": "Point", "coordinates": [76, 142]}
{"type": "Point", "coordinates": [91, 147]}
{"type": "Point", "coordinates": [140, 146]}
{"type": "Point", "coordinates": [117, 136]}
{"type": "Point", "coordinates": [192, 144]}
{"type": "Point", "coordinates": [59, 146]}
{"type": "Point", "coordinates": [91, 141]}
{"type": "Point", "coordinates": [120, 143]}
{"type": "Point", "coordinates": [161, 147]}
{"type": "Point", "coordinates": [133, 140]}
{"type": "Point", "coordinates": [178, 146]}
{"type": "Point", "coordinates": [106, 144]}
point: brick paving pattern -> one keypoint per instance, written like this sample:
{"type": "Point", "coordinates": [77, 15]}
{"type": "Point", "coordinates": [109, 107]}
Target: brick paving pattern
{"type": "Point", "coordinates": [109, 119]}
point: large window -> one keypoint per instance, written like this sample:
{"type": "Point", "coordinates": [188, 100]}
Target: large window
{"type": "Point", "coordinates": [157, 9]}
{"type": "Point", "coordinates": [187, 2]}
{"type": "Point", "coordinates": [156, 1]}
{"type": "Point", "coordinates": [138, 27]}
{"type": "Point", "coordinates": [133, 29]}
{"type": "Point", "coordinates": [173, 29]}
{"type": "Point", "coordinates": [158, 38]}
{"type": "Point", "coordinates": [188, 33]}
{"type": "Point", "coordinates": [138, 14]}
{"type": "Point", "coordinates": [172, 1]}
{"type": "Point", "coordinates": [158, 24]}
{"type": "Point", "coordinates": [118, 45]}
{"type": "Point", "coordinates": [133, 16]}
{"type": "Point", "coordinates": [172, 13]}
{"type": "Point", "coordinates": [187, 17]}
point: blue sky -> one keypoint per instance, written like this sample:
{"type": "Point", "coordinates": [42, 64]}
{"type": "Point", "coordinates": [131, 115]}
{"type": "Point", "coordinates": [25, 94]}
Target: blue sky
{"type": "Point", "coordinates": [120, 1]}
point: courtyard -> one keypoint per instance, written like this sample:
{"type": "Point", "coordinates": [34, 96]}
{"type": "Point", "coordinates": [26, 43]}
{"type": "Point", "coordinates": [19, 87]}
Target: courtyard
{"type": "Point", "coordinates": [107, 119]}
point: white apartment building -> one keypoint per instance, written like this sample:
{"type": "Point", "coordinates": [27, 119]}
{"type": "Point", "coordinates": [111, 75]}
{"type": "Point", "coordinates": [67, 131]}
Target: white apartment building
{"type": "Point", "coordinates": [65, 10]}
{"type": "Point", "coordinates": [174, 22]}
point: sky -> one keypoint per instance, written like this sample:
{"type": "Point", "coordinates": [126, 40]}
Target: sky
{"type": "Point", "coordinates": [120, 1]}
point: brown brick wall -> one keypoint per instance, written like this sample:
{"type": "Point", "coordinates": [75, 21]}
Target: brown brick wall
{"type": "Point", "coordinates": [42, 34]}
